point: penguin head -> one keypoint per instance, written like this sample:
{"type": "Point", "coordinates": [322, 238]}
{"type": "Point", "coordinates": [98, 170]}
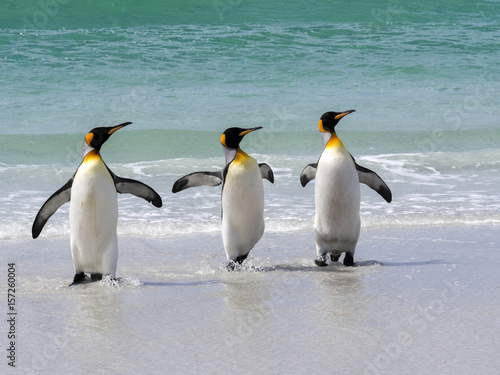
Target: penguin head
{"type": "Point", "coordinates": [232, 137]}
{"type": "Point", "coordinates": [329, 120]}
{"type": "Point", "coordinates": [97, 136]}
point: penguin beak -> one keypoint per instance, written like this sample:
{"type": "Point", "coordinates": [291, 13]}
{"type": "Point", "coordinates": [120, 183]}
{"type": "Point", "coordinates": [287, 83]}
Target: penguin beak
{"type": "Point", "coordinates": [340, 115]}
{"type": "Point", "coordinates": [245, 132]}
{"type": "Point", "coordinates": [117, 127]}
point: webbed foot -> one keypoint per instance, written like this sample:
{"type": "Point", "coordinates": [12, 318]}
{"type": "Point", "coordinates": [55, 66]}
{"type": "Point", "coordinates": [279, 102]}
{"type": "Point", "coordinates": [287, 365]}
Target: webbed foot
{"type": "Point", "coordinates": [79, 278]}
{"type": "Point", "coordinates": [241, 258]}
{"type": "Point", "coordinates": [321, 260]}
{"type": "Point", "coordinates": [349, 260]}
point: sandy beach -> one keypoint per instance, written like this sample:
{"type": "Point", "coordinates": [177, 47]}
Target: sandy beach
{"type": "Point", "coordinates": [422, 300]}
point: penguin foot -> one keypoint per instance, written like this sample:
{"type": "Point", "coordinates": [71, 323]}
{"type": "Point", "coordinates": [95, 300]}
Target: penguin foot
{"type": "Point", "coordinates": [241, 258]}
{"type": "Point", "coordinates": [349, 260]}
{"type": "Point", "coordinates": [321, 260]}
{"type": "Point", "coordinates": [79, 278]}
{"type": "Point", "coordinates": [96, 276]}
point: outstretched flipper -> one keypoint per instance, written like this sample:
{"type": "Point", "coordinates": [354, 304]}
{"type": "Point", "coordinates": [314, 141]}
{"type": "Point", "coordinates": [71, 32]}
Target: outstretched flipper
{"type": "Point", "coordinates": [197, 179]}
{"type": "Point", "coordinates": [50, 206]}
{"type": "Point", "coordinates": [266, 172]}
{"type": "Point", "coordinates": [137, 188]}
{"type": "Point", "coordinates": [308, 174]}
{"type": "Point", "coordinates": [373, 180]}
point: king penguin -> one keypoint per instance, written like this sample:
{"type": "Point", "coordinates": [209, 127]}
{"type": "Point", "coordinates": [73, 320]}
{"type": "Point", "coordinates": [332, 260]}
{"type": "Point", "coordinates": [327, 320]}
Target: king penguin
{"type": "Point", "coordinates": [337, 194]}
{"type": "Point", "coordinates": [242, 195]}
{"type": "Point", "coordinates": [93, 212]}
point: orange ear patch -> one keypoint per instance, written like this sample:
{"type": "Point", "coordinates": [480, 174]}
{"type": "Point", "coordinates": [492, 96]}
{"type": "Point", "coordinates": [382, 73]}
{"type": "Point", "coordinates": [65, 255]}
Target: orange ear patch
{"type": "Point", "coordinates": [89, 137]}
{"type": "Point", "coordinates": [321, 128]}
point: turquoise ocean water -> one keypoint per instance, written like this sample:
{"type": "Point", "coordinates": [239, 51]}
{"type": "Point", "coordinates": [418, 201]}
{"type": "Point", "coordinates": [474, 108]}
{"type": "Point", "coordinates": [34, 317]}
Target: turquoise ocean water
{"type": "Point", "coordinates": [422, 77]}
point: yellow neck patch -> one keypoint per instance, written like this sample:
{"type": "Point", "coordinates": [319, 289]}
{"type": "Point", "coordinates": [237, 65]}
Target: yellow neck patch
{"type": "Point", "coordinates": [92, 155]}
{"type": "Point", "coordinates": [334, 142]}
{"type": "Point", "coordinates": [240, 157]}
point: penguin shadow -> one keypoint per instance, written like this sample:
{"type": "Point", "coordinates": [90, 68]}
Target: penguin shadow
{"type": "Point", "coordinates": [368, 263]}
{"type": "Point", "coordinates": [129, 282]}
{"type": "Point", "coordinates": [106, 282]}
{"type": "Point", "coordinates": [373, 262]}
{"type": "Point", "coordinates": [309, 266]}
{"type": "Point", "coordinates": [255, 265]}
{"type": "Point", "coordinates": [410, 264]}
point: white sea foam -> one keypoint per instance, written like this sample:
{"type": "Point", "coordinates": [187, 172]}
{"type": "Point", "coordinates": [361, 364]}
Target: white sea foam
{"type": "Point", "coordinates": [437, 188]}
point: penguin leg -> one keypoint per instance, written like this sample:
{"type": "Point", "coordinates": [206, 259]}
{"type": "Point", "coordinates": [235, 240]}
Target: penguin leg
{"type": "Point", "coordinates": [322, 250]}
{"type": "Point", "coordinates": [79, 278]}
{"type": "Point", "coordinates": [349, 259]}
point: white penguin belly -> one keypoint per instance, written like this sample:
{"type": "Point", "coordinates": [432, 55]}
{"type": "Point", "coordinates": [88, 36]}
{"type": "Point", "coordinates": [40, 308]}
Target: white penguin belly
{"type": "Point", "coordinates": [337, 196]}
{"type": "Point", "coordinates": [242, 208]}
{"type": "Point", "coordinates": [93, 219]}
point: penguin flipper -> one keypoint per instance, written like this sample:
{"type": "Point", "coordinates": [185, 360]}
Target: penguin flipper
{"type": "Point", "coordinates": [50, 206]}
{"type": "Point", "coordinates": [137, 188]}
{"type": "Point", "coordinates": [373, 180]}
{"type": "Point", "coordinates": [197, 179]}
{"type": "Point", "coordinates": [266, 172]}
{"type": "Point", "coordinates": [308, 174]}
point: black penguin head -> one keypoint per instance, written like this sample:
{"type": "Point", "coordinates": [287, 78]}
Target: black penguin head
{"type": "Point", "coordinates": [329, 120]}
{"type": "Point", "coordinates": [97, 136]}
{"type": "Point", "coordinates": [232, 137]}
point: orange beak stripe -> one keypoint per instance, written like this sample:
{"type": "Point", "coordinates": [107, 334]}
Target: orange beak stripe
{"type": "Point", "coordinates": [246, 132]}
{"type": "Point", "coordinates": [115, 129]}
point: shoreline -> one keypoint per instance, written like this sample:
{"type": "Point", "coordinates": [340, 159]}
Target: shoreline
{"type": "Point", "coordinates": [177, 309]}
{"type": "Point", "coordinates": [192, 252]}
